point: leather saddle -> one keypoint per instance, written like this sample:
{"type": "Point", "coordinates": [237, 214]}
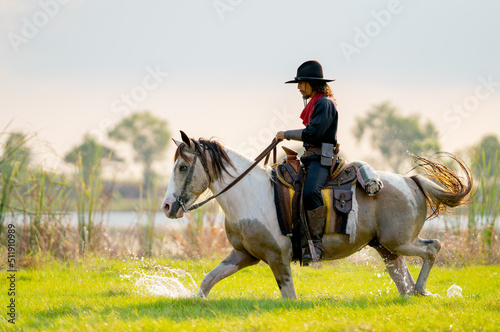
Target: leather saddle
{"type": "Point", "coordinates": [288, 177]}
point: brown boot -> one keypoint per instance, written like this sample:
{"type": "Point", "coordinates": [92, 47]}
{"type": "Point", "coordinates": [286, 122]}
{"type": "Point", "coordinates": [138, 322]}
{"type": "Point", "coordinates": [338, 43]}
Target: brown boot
{"type": "Point", "coordinates": [316, 221]}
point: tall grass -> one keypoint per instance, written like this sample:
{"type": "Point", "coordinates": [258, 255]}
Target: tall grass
{"type": "Point", "coordinates": [203, 235]}
{"type": "Point", "coordinates": [483, 212]}
{"type": "Point", "coordinates": [92, 200]}
{"type": "Point", "coordinates": [12, 164]}
{"type": "Point", "coordinates": [472, 235]}
{"type": "Point", "coordinates": [46, 204]}
{"type": "Point", "coordinates": [7, 182]}
{"type": "Point", "coordinates": [35, 199]}
{"type": "Point", "coordinates": [148, 206]}
{"type": "Point", "coordinates": [40, 203]}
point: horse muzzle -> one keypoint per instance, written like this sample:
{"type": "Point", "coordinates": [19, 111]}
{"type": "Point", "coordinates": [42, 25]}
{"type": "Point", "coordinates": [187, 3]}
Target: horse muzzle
{"type": "Point", "coordinates": [172, 208]}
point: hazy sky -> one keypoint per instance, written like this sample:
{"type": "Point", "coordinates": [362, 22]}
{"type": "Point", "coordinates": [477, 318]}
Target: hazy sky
{"type": "Point", "coordinates": [216, 68]}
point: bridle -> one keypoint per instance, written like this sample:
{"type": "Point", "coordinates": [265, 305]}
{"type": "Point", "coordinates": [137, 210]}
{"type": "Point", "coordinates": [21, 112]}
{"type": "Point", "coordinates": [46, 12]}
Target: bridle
{"type": "Point", "coordinates": [182, 197]}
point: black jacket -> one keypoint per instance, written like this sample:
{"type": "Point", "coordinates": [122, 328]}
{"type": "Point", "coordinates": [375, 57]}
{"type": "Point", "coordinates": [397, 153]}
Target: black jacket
{"type": "Point", "coordinates": [323, 125]}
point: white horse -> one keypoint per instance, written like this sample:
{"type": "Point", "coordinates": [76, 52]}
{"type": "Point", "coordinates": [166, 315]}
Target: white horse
{"type": "Point", "coordinates": [390, 221]}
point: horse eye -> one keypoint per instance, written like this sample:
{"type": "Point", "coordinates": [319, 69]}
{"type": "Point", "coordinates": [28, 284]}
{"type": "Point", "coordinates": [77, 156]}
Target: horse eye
{"type": "Point", "coordinates": [183, 168]}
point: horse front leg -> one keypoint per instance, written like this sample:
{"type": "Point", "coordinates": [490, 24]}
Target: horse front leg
{"type": "Point", "coordinates": [236, 261]}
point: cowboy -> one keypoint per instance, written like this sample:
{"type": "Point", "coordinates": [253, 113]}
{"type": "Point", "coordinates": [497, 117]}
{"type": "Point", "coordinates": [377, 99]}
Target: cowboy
{"type": "Point", "coordinates": [320, 117]}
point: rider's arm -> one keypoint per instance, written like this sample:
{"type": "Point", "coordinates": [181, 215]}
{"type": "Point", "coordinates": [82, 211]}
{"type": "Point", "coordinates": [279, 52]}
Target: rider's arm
{"type": "Point", "coordinates": [295, 134]}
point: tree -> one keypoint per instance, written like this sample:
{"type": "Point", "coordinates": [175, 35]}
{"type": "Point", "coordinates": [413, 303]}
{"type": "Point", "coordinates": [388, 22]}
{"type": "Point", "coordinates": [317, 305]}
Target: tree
{"type": "Point", "coordinates": [16, 148]}
{"type": "Point", "coordinates": [13, 170]}
{"type": "Point", "coordinates": [91, 154]}
{"type": "Point", "coordinates": [487, 156]}
{"type": "Point", "coordinates": [394, 135]}
{"type": "Point", "coordinates": [148, 136]}
{"type": "Point", "coordinates": [17, 152]}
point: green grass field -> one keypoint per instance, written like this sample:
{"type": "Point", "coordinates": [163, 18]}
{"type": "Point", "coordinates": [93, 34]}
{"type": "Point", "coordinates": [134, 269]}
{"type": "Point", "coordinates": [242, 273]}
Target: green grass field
{"type": "Point", "coordinates": [98, 294]}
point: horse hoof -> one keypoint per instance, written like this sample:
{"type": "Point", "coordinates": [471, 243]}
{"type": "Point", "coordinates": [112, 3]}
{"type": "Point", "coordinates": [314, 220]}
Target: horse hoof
{"type": "Point", "coordinates": [315, 265]}
{"type": "Point", "coordinates": [422, 292]}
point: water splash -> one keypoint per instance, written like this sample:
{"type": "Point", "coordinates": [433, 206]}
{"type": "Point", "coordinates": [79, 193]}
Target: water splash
{"type": "Point", "coordinates": [164, 281]}
{"type": "Point", "coordinates": [454, 290]}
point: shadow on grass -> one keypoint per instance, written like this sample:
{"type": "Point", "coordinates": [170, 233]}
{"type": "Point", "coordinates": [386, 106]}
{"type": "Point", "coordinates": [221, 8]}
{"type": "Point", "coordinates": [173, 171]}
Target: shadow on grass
{"type": "Point", "coordinates": [179, 310]}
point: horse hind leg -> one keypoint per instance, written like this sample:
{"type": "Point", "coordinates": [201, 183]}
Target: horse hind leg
{"type": "Point", "coordinates": [396, 266]}
{"type": "Point", "coordinates": [427, 250]}
{"type": "Point", "coordinates": [234, 262]}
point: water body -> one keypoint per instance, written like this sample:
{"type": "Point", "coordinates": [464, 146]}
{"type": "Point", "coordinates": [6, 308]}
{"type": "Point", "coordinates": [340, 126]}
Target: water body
{"type": "Point", "coordinates": [131, 218]}
{"type": "Point", "coordinates": [123, 219]}
{"type": "Point", "coordinates": [454, 222]}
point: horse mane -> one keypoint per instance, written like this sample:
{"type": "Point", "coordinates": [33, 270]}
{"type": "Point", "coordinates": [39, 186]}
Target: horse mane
{"type": "Point", "coordinates": [218, 155]}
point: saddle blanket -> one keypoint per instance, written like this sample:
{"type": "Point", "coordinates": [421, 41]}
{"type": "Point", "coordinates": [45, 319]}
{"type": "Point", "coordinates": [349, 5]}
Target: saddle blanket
{"type": "Point", "coordinates": [338, 195]}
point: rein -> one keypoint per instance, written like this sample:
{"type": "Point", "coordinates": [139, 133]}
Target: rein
{"type": "Point", "coordinates": [266, 153]}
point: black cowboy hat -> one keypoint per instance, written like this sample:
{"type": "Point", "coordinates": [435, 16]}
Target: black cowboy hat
{"type": "Point", "coordinates": [309, 71]}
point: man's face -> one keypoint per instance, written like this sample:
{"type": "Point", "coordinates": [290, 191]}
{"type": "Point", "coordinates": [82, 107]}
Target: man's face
{"type": "Point", "coordinates": [305, 89]}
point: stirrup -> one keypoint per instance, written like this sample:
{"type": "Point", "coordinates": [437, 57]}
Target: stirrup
{"type": "Point", "coordinates": [307, 257]}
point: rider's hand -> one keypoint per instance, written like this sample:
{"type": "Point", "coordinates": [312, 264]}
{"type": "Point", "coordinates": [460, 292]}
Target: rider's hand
{"type": "Point", "coordinates": [280, 135]}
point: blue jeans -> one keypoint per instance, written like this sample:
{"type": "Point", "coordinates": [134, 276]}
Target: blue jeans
{"type": "Point", "coordinates": [316, 176]}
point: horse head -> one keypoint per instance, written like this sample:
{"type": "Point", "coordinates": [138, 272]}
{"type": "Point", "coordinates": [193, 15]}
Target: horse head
{"type": "Point", "coordinates": [196, 165]}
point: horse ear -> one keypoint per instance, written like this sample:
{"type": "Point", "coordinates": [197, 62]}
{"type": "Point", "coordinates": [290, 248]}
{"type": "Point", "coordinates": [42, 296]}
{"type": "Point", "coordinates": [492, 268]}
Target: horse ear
{"type": "Point", "coordinates": [185, 139]}
{"type": "Point", "coordinates": [176, 142]}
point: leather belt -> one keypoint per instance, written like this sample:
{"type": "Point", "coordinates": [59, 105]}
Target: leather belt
{"type": "Point", "coordinates": [312, 151]}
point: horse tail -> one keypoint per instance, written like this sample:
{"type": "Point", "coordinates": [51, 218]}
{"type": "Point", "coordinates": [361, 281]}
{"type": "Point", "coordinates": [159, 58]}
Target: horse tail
{"type": "Point", "coordinates": [442, 187]}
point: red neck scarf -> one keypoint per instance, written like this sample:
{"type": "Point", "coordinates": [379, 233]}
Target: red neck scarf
{"type": "Point", "coordinates": [308, 110]}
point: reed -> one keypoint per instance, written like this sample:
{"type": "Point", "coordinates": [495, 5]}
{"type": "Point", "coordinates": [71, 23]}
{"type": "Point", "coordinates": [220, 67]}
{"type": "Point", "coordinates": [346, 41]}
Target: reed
{"type": "Point", "coordinates": [7, 182]}
{"type": "Point", "coordinates": [13, 165]}
{"type": "Point", "coordinates": [40, 202]}
{"type": "Point", "coordinates": [36, 200]}
{"type": "Point", "coordinates": [46, 205]}
{"type": "Point", "coordinates": [92, 200]}
{"type": "Point", "coordinates": [202, 237]}
{"type": "Point", "coordinates": [483, 212]}
{"type": "Point", "coordinates": [148, 206]}
{"type": "Point", "coordinates": [472, 236]}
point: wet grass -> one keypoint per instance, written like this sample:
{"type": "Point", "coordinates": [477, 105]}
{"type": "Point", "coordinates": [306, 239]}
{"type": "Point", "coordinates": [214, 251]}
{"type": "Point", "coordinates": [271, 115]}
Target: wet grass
{"type": "Point", "coordinates": [94, 295]}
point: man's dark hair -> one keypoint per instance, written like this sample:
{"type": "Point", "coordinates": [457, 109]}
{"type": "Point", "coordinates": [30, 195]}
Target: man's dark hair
{"type": "Point", "coordinates": [321, 87]}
